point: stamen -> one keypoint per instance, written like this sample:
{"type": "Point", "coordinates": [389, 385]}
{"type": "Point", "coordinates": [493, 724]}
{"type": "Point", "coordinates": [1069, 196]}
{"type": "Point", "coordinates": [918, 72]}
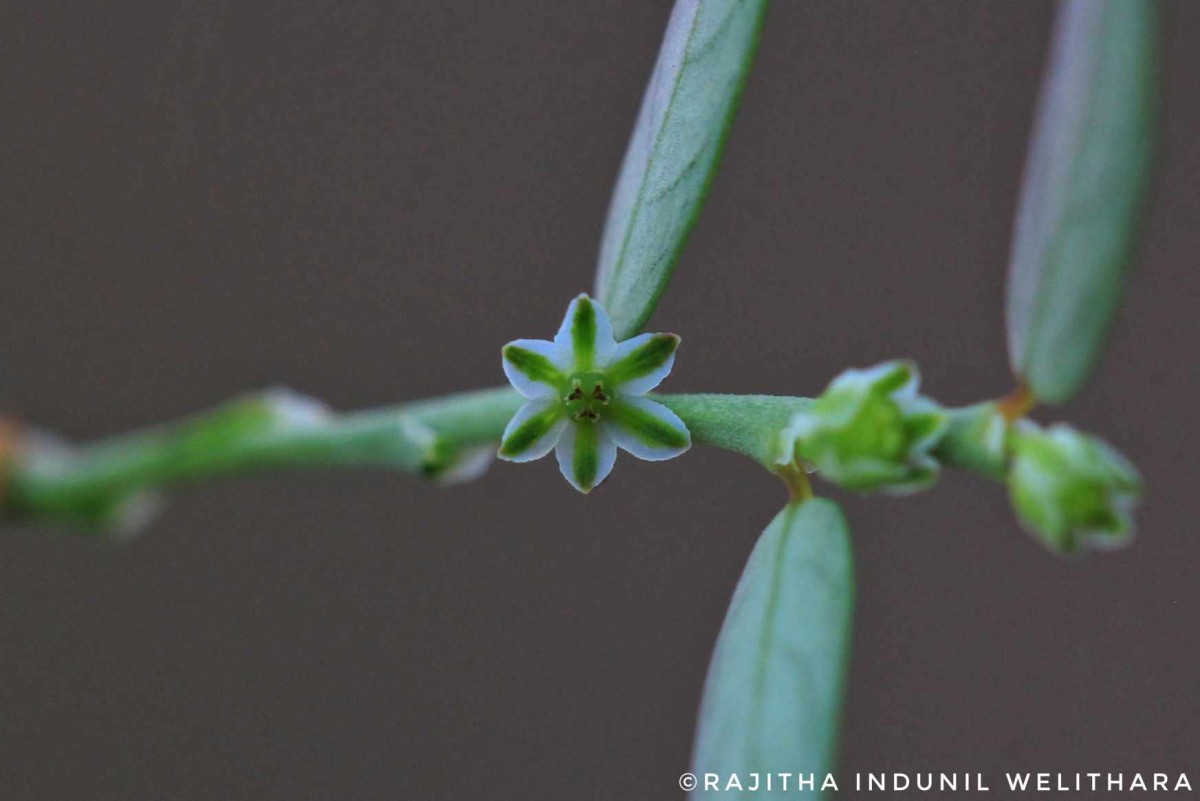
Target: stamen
{"type": "Point", "coordinates": [586, 396]}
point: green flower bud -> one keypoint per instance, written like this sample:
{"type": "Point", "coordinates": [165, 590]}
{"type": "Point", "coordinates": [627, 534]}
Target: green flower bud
{"type": "Point", "coordinates": [869, 430]}
{"type": "Point", "coordinates": [1071, 490]}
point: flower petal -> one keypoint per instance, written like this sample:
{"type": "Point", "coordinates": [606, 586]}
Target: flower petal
{"type": "Point", "coordinates": [641, 363]}
{"type": "Point", "coordinates": [586, 453]}
{"type": "Point", "coordinates": [586, 335]}
{"type": "Point", "coordinates": [534, 367]}
{"type": "Point", "coordinates": [533, 431]}
{"type": "Point", "coordinates": [648, 429]}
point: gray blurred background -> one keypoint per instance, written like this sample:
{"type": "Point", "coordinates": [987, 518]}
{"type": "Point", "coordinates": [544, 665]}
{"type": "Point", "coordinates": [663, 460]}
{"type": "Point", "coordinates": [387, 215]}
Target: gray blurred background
{"type": "Point", "coordinates": [363, 201]}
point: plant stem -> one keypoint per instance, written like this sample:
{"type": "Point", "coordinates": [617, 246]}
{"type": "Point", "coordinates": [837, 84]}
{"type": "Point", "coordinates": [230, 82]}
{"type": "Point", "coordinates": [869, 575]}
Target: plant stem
{"type": "Point", "coordinates": [977, 440]}
{"type": "Point", "coordinates": [106, 484]}
{"type": "Point", "coordinates": [1017, 404]}
{"type": "Point", "coordinates": [746, 424]}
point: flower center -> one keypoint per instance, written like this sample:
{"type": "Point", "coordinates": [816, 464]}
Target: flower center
{"type": "Point", "coordinates": [584, 395]}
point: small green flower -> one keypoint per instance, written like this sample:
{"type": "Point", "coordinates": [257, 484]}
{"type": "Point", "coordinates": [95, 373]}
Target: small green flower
{"type": "Point", "coordinates": [869, 430]}
{"type": "Point", "coordinates": [1070, 489]}
{"type": "Point", "coordinates": [585, 397]}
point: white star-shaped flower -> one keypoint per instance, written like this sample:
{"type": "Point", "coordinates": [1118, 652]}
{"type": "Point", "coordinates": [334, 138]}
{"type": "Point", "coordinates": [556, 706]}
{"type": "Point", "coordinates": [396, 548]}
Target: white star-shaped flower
{"type": "Point", "coordinates": [586, 397]}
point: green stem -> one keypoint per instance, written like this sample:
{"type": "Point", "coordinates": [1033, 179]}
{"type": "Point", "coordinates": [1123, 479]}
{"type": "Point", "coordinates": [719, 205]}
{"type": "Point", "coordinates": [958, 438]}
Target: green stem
{"type": "Point", "coordinates": [105, 484]}
{"type": "Point", "coordinates": [746, 424]}
{"type": "Point", "coordinates": [977, 440]}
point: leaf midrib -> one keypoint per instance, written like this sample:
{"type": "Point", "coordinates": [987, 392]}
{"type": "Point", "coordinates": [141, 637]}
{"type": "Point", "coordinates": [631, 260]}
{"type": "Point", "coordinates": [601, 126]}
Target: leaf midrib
{"type": "Point", "coordinates": [619, 262]}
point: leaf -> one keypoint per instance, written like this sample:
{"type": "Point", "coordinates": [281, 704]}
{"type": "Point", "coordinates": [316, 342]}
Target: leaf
{"type": "Point", "coordinates": [673, 153]}
{"type": "Point", "coordinates": [1086, 174]}
{"type": "Point", "coordinates": [772, 702]}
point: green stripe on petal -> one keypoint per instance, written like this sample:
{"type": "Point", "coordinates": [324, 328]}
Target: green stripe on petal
{"type": "Point", "coordinates": [586, 454]}
{"type": "Point", "coordinates": [533, 431]}
{"type": "Point", "coordinates": [641, 363]}
{"type": "Point", "coordinates": [585, 462]}
{"type": "Point", "coordinates": [531, 369]}
{"type": "Point", "coordinates": [583, 333]}
{"type": "Point", "coordinates": [648, 429]}
{"type": "Point", "coordinates": [586, 334]}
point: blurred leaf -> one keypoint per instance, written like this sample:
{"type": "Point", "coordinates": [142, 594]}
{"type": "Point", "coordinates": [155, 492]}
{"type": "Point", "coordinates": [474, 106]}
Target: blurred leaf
{"type": "Point", "coordinates": [1086, 173]}
{"type": "Point", "coordinates": [773, 698]}
{"type": "Point", "coordinates": [673, 153]}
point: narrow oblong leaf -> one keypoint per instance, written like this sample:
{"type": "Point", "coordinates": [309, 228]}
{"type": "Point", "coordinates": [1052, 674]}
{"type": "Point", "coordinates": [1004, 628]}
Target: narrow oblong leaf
{"type": "Point", "coordinates": [1086, 173]}
{"type": "Point", "coordinates": [773, 698]}
{"type": "Point", "coordinates": [673, 153]}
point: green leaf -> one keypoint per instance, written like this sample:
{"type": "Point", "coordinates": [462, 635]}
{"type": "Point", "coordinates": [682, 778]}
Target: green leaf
{"type": "Point", "coordinates": [1086, 174]}
{"type": "Point", "coordinates": [673, 153]}
{"type": "Point", "coordinates": [773, 698]}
